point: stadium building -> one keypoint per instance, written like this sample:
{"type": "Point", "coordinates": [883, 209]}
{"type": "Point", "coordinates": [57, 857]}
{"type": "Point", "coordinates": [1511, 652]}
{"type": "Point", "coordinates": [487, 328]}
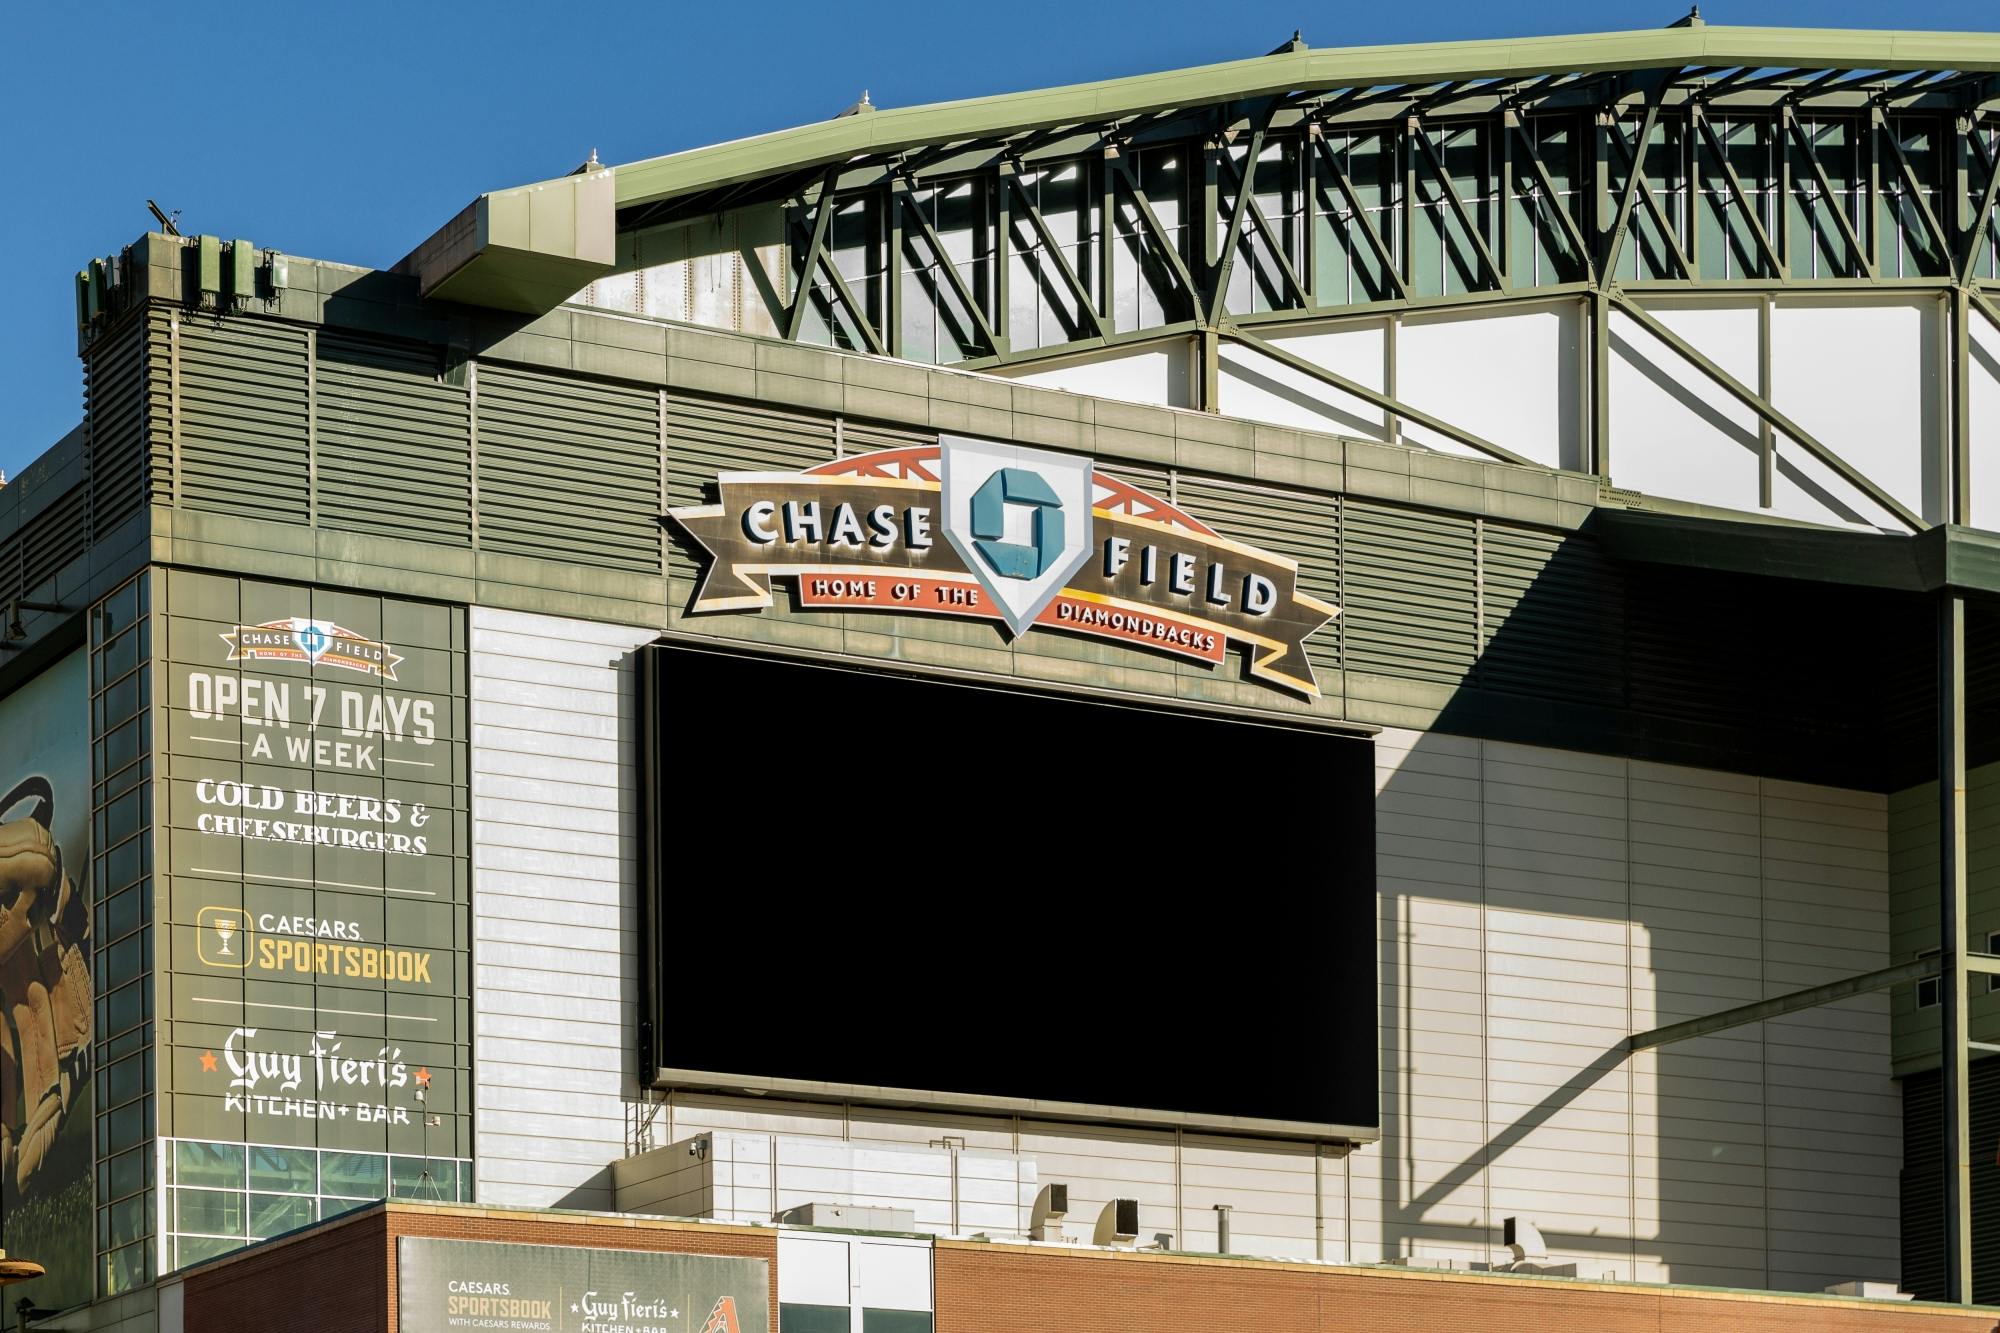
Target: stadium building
{"type": "Point", "coordinates": [1346, 687]}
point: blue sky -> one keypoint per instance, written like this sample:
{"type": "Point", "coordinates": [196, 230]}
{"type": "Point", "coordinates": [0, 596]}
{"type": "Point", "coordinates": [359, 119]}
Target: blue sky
{"type": "Point", "coordinates": [350, 132]}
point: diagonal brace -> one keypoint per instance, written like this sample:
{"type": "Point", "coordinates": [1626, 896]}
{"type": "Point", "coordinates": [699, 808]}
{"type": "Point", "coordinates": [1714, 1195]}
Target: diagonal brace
{"type": "Point", "coordinates": [1271, 237]}
{"type": "Point", "coordinates": [1739, 194]}
{"type": "Point", "coordinates": [901, 193]}
{"type": "Point", "coordinates": [1757, 403]}
{"type": "Point", "coordinates": [1360, 216]}
{"type": "Point", "coordinates": [1827, 192]}
{"type": "Point", "coordinates": [1812, 997]}
{"type": "Point", "coordinates": [1375, 397]}
{"type": "Point", "coordinates": [1458, 209]}
{"type": "Point", "coordinates": [1054, 251]}
{"type": "Point", "coordinates": [1161, 240]}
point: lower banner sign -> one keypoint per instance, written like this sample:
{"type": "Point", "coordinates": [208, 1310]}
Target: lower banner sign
{"type": "Point", "coordinates": [456, 1284]}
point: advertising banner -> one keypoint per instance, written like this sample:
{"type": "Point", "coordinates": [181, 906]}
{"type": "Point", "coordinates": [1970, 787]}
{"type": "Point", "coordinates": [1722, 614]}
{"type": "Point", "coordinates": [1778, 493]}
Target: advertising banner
{"type": "Point", "coordinates": [1030, 538]}
{"type": "Point", "coordinates": [444, 1285]}
{"type": "Point", "coordinates": [46, 1000]}
{"type": "Point", "coordinates": [318, 872]}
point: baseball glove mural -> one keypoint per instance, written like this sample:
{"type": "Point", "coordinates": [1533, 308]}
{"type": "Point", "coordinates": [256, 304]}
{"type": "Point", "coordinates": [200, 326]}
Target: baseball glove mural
{"type": "Point", "coordinates": [47, 982]}
{"type": "Point", "coordinates": [44, 982]}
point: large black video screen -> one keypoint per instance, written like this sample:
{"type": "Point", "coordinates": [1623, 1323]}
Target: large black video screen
{"type": "Point", "coordinates": [861, 881]}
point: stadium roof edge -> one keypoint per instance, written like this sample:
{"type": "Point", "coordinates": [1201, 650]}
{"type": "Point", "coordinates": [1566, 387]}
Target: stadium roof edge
{"type": "Point", "coordinates": [527, 248]}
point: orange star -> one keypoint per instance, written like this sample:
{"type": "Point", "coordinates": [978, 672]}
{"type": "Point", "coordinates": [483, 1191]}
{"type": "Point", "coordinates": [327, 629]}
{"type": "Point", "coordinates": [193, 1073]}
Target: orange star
{"type": "Point", "coordinates": [208, 1062]}
{"type": "Point", "coordinates": [423, 1078]}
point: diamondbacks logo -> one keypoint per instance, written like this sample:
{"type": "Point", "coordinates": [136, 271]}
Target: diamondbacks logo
{"type": "Point", "coordinates": [1033, 539]}
{"type": "Point", "coordinates": [314, 642]}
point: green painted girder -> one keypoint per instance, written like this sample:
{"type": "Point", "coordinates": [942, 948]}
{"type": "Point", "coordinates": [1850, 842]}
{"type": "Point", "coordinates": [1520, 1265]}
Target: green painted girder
{"type": "Point", "coordinates": [900, 130]}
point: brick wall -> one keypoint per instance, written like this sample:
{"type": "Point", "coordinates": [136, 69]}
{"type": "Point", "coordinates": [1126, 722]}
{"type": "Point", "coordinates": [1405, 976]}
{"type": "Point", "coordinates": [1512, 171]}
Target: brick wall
{"type": "Point", "coordinates": [330, 1278]}
{"type": "Point", "coordinates": [1012, 1289]}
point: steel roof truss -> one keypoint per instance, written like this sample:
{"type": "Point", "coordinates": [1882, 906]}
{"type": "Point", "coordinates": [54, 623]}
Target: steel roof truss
{"type": "Point", "coordinates": [1982, 220]}
{"type": "Point", "coordinates": [795, 322]}
{"type": "Point", "coordinates": [1552, 197]}
{"type": "Point", "coordinates": [1359, 214]}
{"type": "Point", "coordinates": [1157, 233]}
{"type": "Point", "coordinates": [1247, 193]}
{"type": "Point", "coordinates": [1635, 182]}
{"type": "Point", "coordinates": [1739, 195]}
{"type": "Point", "coordinates": [1635, 162]}
{"type": "Point", "coordinates": [1054, 251]}
{"type": "Point", "coordinates": [1236, 217]}
{"type": "Point", "coordinates": [1834, 203]}
{"type": "Point", "coordinates": [899, 193]}
{"type": "Point", "coordinates": [817, 257]}
{"type": "Point", "coordinates": [1442, 179]}
{"type": "Point", "coordinates": [1913, 188]}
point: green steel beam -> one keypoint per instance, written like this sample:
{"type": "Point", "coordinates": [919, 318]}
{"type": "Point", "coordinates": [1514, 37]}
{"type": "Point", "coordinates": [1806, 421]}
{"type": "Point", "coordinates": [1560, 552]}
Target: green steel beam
{"type": "Point", "coordinates": [795, 321]}
{"type": "Point", "coordinates": [901, 194]}
{"type": "Point", "coordinates": [1219, 292]}
{"type": "Point", "coordinates": [1778, 1006]}
{"type": "Point", "coordinates": [1862, 259]}
{"type": "Point", "coordinates": [1635, 162]}
{"type": "Point", "coordinates": [1162, 241]}
{"type": "Point", "coordinates": [1914, 188]}
{"type": "Point", "coordinates": [1634, 184]}
{"type": "Point", "coordinates": [1982, 219]}
{"type": "Point", "coordinates": [1375, 397]}
{"type": "Point", "coordinates": [1756, 402]}
{"type": "Point", "coordinates": [900, 129]}
{"type": "Point", "coordinates": [1360, 215]}
{"type": "Point", "coordinates": [1053, 249]}
{"type": "Point", "coordinates": [1738, 194]}
{"type": "Point", "coordinates": [1415, 130]}
{"type": "Point", "coordinates": [1272, 237]}
{"type": "Point", "coordinates": [1553, 198]}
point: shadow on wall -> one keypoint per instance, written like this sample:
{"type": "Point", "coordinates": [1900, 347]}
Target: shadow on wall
{"type": "Point", "coordinates": [1538, 904]}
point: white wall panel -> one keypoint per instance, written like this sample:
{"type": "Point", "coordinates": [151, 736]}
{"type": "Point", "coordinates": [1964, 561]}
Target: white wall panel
{"type": "Point", "coordinates": [1508, 375]}
{"type": "Point", "coordinates": [1254, 386]}
{"type": "Point", "coordinates": [1983, 380]}
{"type": "Point", "coordinates": [1861, 376]}
{"type": "Point", "coordinates": [1157, 375]}
{"type": "Point", "coordinates": [554, 949]}
{"type": "Point", "coordinates": [1674, 433]}
{"type": "Point", "coordinates": [1536, 907]}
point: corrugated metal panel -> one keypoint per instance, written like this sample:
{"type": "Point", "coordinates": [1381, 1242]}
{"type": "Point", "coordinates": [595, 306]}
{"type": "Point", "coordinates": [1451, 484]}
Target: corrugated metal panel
{"type": "Point", "coordinates": [863, 437]}
{"type": "Point", "coordinates": [1923, 1184]}
{"type": "Point", "coordinates": [393, 451]}
{"type": "Point", "coordinates": [117, 394]}
{"type": "Point", "coordinates": [548, 748]}
{"type": "Point", "coordinates": [1297, 524]}
{"type": "Point", "coordinates": [706, 436]}
{"type": "Point", "coordinates": [568, 469]}
{"type": "Point", "coordinates": [243, 414]}
{"type": "Point", "coordinates": [54, 537]}
{"type": "Point", "coordinates": [1410, 592]}
{"type": "Point", "coordinates": [1552, 616]}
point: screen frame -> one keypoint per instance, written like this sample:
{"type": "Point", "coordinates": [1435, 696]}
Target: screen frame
{"type": "Point", "coordinates": [658, 1075]}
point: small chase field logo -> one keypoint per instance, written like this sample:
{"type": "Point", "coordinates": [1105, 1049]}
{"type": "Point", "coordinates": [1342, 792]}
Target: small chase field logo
{"type": "Point", "coordinates": [315, 642]}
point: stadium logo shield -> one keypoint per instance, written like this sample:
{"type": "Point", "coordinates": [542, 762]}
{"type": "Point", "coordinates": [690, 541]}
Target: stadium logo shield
{"type": "Point", "coordinates": [1019, 518]}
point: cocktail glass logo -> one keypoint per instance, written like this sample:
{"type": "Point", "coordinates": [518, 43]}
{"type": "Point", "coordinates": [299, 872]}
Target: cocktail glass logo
{"type": "Point", "coordinates": [314, 642]}
{"type": "Point", "coordinates": [221, 939]}
{"type": "Point", "coordinates": [1019, 518]}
